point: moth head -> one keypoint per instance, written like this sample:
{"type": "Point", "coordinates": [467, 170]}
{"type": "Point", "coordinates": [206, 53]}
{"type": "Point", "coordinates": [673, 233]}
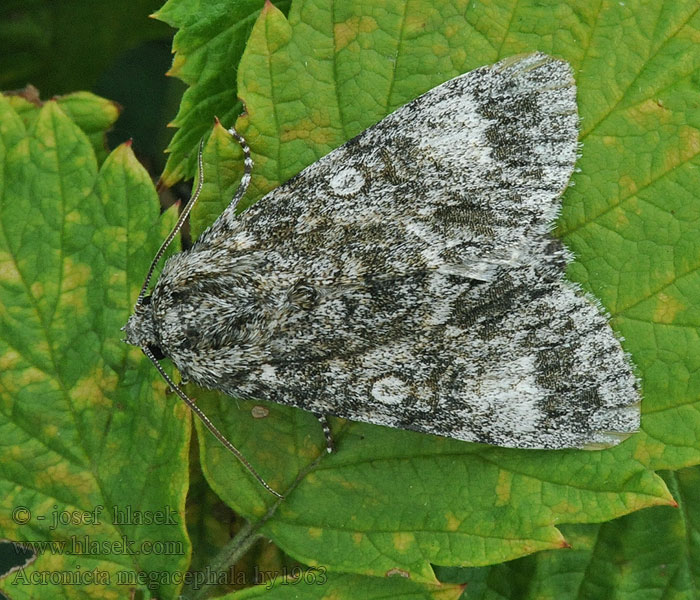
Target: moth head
{"type": "Point", "coordinates": [139, 328]}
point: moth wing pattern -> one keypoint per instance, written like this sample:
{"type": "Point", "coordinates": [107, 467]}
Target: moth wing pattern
{"type": "Point", "coordinates": [409, 278]}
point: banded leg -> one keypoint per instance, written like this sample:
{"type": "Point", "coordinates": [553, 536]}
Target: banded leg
{"type": "Point", "coordinates": [326, 431]}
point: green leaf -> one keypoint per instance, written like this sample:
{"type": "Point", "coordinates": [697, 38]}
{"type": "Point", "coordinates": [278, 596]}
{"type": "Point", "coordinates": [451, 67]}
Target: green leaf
{"type": "Point", "coordinates": [94, 115]}
{"type": "Point", "coordinates": [207, 50]}
{"type": "Point", "coordinates": [399, 500]}
{"type": "Point", "coordinates": [391, 499]}
{"type": "Point", "coordinates": [649, 555]}
{"type": "Point", "coordinates": [310, 584]}
{"type": "Point", "coordinates": [83, 431]}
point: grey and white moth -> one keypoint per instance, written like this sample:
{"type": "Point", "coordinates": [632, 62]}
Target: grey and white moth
{"type": "Point", "coordinates": [409, 278]}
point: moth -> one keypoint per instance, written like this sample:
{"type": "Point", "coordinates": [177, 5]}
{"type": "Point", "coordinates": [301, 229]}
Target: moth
{"type": "Point", "coordinates": [410, 278]}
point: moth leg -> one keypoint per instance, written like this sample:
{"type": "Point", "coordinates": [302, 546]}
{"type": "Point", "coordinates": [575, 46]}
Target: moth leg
{"type": "Point", "coordinates": [228, 217]}
{"type": "Point", "coordinates": [326, 431]}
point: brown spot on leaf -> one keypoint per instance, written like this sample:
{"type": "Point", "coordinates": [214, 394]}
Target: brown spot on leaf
{"type": "Point", "coordinates": [259, 412]}
{"type": "Point", "coordinates": [397, 572]}
{"type": "Point", "coordinates": [348, 31]}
